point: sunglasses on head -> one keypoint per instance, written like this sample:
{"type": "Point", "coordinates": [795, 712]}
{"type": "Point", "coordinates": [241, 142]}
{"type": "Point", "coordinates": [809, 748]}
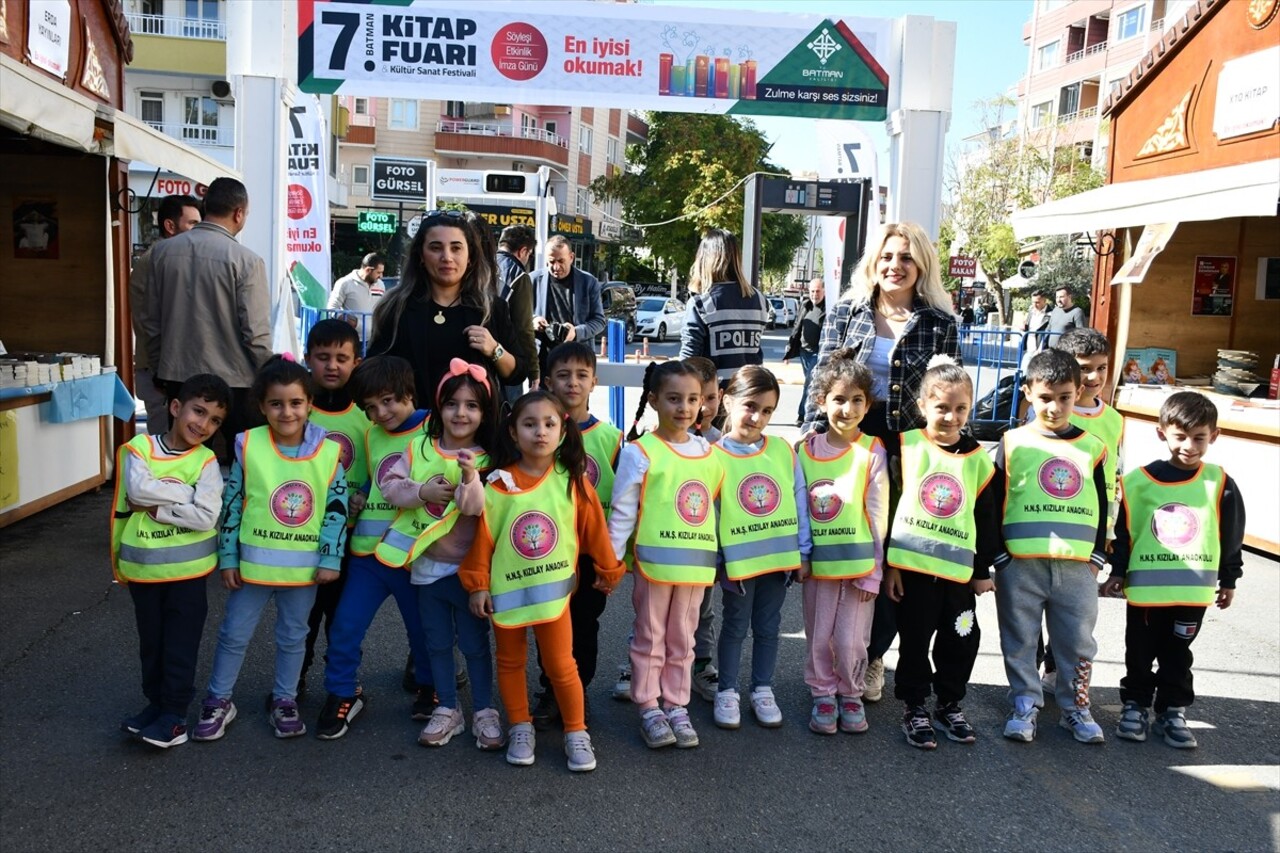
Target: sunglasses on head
{"type": "Point", "coordinates": [444, 213]}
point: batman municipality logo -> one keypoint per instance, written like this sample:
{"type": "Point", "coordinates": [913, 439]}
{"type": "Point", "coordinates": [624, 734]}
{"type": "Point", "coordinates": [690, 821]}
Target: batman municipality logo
{"type": "Point", "coordinates": [348, 454]}
{"type": "Point", "coordinates": [941, 495]}
{"type": "Point", "coordinates": [759, 494]}
{"type": "Point", "coordinates": [534, 535]}
{"type": "Point", "coordinates": [593, 471]}
{"type": "Point", "coordinates": [1060, 478]}
{"type": "Point", "coordinates": [388, 462]}
{"type": "Point", "coordinates": [1175, 525]}
{"type": "Point", "coordinates": [823, 46]}
{"type": "Point", "coordinates": [824, 503]}
{"type": "Point", "coordinates": [693, 502]}
{"type": "Point", "coordinates": [293, 503]}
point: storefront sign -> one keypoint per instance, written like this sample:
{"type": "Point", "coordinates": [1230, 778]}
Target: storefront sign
{"type": "Point", "coordinates": [603, 54]}
{"type": "Point", "coordinates": [1214, 291]}
{"type": "Point", "coordinates": [170, 184]}
{"type": "Point", "coordinates": [49, 35]}
{"type": "Point", "coordinates": [1248, 94]}
{"type": "Point", "coordinates": [500, 217]}
{"type": "Point", "coordinates": [961, 266]}
{"type": "Point", "coordinates": [307, 226]}
{"type": "Point", "coordinates": [377, 222]}
{"type": "Point", "coordinates": [571, 226]}
{"type": "Point", "coordinates": [398, 179]}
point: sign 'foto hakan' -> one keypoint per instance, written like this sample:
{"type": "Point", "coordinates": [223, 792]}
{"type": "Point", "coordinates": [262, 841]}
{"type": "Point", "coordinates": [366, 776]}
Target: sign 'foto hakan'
{"type": "Point", "coordinates": [962, 266]}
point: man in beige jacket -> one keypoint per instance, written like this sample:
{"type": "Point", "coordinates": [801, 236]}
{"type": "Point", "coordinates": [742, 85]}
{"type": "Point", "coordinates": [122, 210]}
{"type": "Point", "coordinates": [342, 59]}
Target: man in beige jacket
{"type": "Point", "coordinates": [209, 306]}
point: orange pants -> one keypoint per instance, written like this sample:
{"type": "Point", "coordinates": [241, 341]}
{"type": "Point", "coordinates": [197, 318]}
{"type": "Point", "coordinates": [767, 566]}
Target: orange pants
{"type": "Point", "coordinates": [555, 641]}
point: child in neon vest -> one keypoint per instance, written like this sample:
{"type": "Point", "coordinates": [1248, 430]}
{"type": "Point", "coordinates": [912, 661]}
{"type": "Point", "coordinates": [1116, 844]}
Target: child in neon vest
{"type": "Point", "coordinates": [383, 388]}
{"type": "Point", "coordinates": [664, 493]}
{"type": "Point", "coordinates": [1050, 478]}
{"type": "Point", "coordinates": [764, 538]}
{"type": "Point", "coordinates": [164, 545]}
{"type": "Point", "coordinates": [1179, 534]}
{"type": "Point", "coordinates": [706, 678]}
{"type": "Point", "coordinates": [847, 501]}
{"type": "Point", "coordinates": [945, 532]}
{"type": "Point", "coordinates": [538, 517]}
{"type": "Point", "coordinates": [279, 539]}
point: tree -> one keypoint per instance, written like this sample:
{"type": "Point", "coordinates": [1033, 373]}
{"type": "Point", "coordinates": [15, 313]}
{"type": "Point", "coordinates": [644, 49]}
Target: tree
{"type": "Point", "coordinates": [1063, 264]}
{"type": "Point", "coordinates": [688, 170]}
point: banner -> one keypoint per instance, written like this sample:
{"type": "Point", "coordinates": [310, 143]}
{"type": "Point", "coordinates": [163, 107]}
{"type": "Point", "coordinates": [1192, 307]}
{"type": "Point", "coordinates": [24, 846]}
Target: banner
{"type": "Point", "coordinates": [845, 151]}
{"type": "Point", "coordinates": [713, 60]}
{"type": "Point", "coordinates": [307, 227]}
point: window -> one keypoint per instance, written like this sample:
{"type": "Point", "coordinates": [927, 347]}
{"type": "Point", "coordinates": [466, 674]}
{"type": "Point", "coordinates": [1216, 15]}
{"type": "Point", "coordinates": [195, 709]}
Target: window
{"type": "Point", "coordinates": [1069, 100]}
{"type": "Point", "coordinates": [582, 204]}
{"type": "Point", "coordinates": [584, 138]}
{"type": "Point", "coordinates": [1115, 86]}
{"type": "Point", "coordinates": [1131, 22]}
{"type": "Point", "coordinates": [1047, 56]}
{"type": "Point", "coordinates": [201, 19]}
{"type": "Point", "coordinates": [1041, 114]}
{"type": "Point", "coordinates": [550, 127]}
{"type": "Point", "coordinates": [455, 109]}
{"type": "Point", "coordinates": [362, 106]}
{"type": "Point", "coordinates": [404, 114]}
{"type": "Point", "coordinates": [200, 119]}
{"type": "Point", "coordinates": [612, 155]}
{"type": "Point", "coordinates": [151, 108]}
{"type": "Point", "coordinates": [360, 175]}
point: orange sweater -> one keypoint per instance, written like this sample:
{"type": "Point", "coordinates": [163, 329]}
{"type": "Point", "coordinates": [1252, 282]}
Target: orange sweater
{"type": "Point", "coordinates": [589, 523]}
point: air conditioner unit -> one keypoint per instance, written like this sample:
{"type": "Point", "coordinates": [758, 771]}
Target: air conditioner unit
{"type": "Point", "coordinates": [220, 89]}
{"type": "Point", "coordinates": [501, 110]}
{"type": "Point", "coordinates": [517, 166]}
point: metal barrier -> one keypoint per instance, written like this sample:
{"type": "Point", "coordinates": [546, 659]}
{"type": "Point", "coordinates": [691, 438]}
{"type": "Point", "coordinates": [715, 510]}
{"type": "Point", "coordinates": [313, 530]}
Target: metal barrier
{"type": "Point", "coordinates": [996, 358]}
{"type": "Point", "coordinates": [310, 316]}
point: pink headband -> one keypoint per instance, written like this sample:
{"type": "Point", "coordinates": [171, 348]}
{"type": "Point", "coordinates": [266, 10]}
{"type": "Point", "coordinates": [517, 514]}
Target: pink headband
{"type": "Point", "coordinates": [458, 367]}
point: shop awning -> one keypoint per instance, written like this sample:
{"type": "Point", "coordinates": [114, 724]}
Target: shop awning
{"type": "Point", "coordinates": [1249, 189]}
{"type": "Point", "coordinates": [136, 140]}
{"type": "Point", "coordinates": [34, 104]}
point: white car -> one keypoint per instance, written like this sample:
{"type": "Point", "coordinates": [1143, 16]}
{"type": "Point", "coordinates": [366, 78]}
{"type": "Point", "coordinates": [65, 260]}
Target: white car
{"type": "Point", "coordinates": [657, 318]}
{"type": "Point", "coordinates": [779, 316]}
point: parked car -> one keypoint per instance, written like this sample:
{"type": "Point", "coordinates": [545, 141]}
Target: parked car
{"type": "Point", "coordinates": [620, 304]}
{"type": "Point", "coordinates": [793, 309]}
{"type": "Point", "coordinates": [657, 317]}
{"type": "Point", "coordinates": [778, 315]}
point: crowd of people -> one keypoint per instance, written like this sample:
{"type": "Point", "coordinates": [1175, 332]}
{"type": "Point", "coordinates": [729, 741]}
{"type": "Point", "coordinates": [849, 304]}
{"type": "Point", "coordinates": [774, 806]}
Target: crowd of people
{"type": "Point", "coordinates": [406, 475]}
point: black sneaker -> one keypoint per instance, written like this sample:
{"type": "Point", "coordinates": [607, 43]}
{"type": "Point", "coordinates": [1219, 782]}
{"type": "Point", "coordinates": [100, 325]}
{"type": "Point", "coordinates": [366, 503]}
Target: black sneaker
{"type": "Point", "coordinates": [140, 720]}
{"type": "Point", "coordinates": [409, 681]}
{"type": "Point", "coordinates": [918, 729]}
{"type": "Point", "coordinates": [424, 703]}
{"type": "Point", "coordinates": [546, 712]}
{"type": "Point", "coordinates": [337, 715]}
{"type": "Point", "coordinates": [165, 731]}
{"type": "Point", "coordinates": [950, 719]}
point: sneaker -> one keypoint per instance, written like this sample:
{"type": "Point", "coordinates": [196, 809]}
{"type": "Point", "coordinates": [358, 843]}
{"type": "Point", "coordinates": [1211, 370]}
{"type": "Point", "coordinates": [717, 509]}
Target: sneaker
{"type": "Point", "coordinates": [577, 748]}
{"type": "Point", "coordinates": [918, 729]}
{"type": "Point", "coordinates": [424, 704]}
{"type": "Point", "coordinates": [165, 731]}
{"type": "Point", "coordinates": [766, 709]}
{"type": "Point", "coordinates": [1134, 722]}
{"type": "Point", "coordinates": [285, 720]}
{"type": "Point", "coordinates": [215, 716]}
{"type": "Point", "coordinates": [1021, 724]}
{"type": "Point", "coordinates": [1172, 725]}
{"type": "Point", "coordinates": [337, 714]}
{"type": "Point", "coordinates": [546, 711]}
{"type": "Point", "coordinates": [520, 743]}
{"type": "Point", "coordinates": [1080, 723]}
{"type": "Point", "coordinates": [727, 713]}
{"type": "Point", "coordinates": [822, 719]}
{"type": "Point", "coordinates": [487, 728]}
{"type": "Point", "coordinates": [409, 679]}
{"type": "Point", "coordinates": [622, 687]}
{"type": "Point", "coordinates": [1049, 683]}
{"type": "Point", "coordinates": [706, 682]}
{"type": "Point", "coordinates": [950, 719]}
{"type": "Point", "coordinates": [874, 681]}
{"type": "Point", "coordinates": [682, 727]}
{"type": "Point", "coordinates": [443, 725]}
{"type": "Point", "coordinates": [853, 716]}
{"type": "Point", "coordinates": [656, 730]}
{"type": "Point", "coordinates": [140, 720]}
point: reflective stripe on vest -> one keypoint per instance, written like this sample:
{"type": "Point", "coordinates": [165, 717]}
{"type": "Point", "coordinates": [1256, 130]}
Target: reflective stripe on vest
{"type": "Point", "coordinates": [602, 442]}
{"type": "Point", "coordinates": [759, 530]}
{"type": "Point", "coordinates": [1175, 541]}
{"type": "Point", "coordinates": [383, 449]}
{"type": "Point", "coordinates": [284, 503]}
{"type": "Point", "coordinates": [348, 428]}
{"type": "Point", "coordinates": [1051, 507]}
{"type": "Point", "coordinates": [535, 550]}
{"type": "Point", "coordinates": [933, 530]}
{"type": "Point", "coordinates": [144, 550]}
{"type": "Point", "coordinates": [415, 529]}
{"type": "Point", "coordinates": [843, 546]}
{"type": "Point", "coordinates": [1108, 427]}
{"type": "Point", "coordinates": [675, 539]}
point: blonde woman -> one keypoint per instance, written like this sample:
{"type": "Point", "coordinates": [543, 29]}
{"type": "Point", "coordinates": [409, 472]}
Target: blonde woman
{"type": "Point", "coordinates": [726, 316]}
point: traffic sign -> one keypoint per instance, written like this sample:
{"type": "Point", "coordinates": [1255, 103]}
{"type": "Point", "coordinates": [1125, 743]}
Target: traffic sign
{"type": "Point", "coordinates": [376, 221]}
{"type": "Point", "coordinates": [962, 266]}
{"type": "Point", "coordinates": [1027, 269]}
{"type": "Point", "coordinates": [399, 179]}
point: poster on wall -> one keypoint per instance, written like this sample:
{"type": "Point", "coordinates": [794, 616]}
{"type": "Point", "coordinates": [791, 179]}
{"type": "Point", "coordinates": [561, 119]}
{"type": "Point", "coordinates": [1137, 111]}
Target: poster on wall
{"type": "Point", "coordinates": [35, 229]}
{"type": "Point", "coordinates": [1214, 289]}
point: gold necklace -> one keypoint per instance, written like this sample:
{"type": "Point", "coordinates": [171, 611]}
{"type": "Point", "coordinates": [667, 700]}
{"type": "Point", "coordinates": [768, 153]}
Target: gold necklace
{"type": "Point", "coordinates": [439, 318]}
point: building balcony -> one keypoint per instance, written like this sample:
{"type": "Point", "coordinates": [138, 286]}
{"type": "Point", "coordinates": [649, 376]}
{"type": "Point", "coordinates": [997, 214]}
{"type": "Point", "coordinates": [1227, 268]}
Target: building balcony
{"type": "Point", "coordinates": [190, 46]}
{"type": "Point", "coordinates": [199, 135]}
{"type": "Point", "coordinates": [462, 138]}
{"type": "Point", "coordinates": [174, 27]}
{"type": "Point", "coordinates": [1088, 51]}
{"type": "Point", "coordinates": [360, 135]}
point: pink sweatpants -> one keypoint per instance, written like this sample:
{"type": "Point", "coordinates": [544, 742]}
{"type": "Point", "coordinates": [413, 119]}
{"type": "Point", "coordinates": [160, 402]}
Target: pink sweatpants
{"type": "Point", "coordinates": [838, 628]}
{"type": "Point", "coordinates": [662, 645]}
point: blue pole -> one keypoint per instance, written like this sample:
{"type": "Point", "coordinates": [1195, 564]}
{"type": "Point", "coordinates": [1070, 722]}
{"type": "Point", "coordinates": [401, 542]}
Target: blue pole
{"type": "Point", "coordinates": [617, 343]}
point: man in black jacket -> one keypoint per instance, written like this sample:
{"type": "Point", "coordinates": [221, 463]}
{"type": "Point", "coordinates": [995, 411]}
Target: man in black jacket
{"type": "Point", "coordinates": [806, 336]}
{"type": "Point", "coordinates": [566, 298]}
{"type": "Point", "coordinates": [515, 246]}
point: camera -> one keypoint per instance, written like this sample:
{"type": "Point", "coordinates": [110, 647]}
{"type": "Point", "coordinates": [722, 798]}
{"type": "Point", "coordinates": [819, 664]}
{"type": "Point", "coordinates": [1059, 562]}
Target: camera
{"type": "Point", "coordinates": [553, 334]}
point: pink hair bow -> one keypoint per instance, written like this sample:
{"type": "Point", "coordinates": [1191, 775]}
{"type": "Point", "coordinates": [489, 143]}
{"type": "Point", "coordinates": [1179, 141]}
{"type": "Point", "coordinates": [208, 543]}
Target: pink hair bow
{"type": "Point", "coordinates": [458, 367]}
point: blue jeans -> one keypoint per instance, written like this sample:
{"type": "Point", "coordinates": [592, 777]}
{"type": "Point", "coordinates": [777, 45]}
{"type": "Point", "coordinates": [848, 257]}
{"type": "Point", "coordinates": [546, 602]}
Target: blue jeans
{"type": "Point", "coordinates": [761, 608]}
{"type": "Point", "coordinates": [446, 614]}
{"type": "Point", "coordinates": [808, 361]}
{"type": "Point", "coordinates": [368, 585]}
{"type": "Point", "coordinates": [244, 610]}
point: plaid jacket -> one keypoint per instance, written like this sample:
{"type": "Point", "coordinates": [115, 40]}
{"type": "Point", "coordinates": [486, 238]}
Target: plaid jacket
{"type": "Point", "coordinates": [928, 332]}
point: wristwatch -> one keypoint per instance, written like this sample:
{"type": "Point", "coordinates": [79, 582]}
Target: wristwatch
{"type": "Point", "coordinates": [498, 353]}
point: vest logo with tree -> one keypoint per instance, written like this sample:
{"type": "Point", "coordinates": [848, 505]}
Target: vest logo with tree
{"type": "Point", "coordinates": [759, 495]}
{"type": "Point", "coordinates": [386, 464]}
{"type": "Point", "coordinates": [824, 503]}
{"type": "Point", "coordinates": [693, 502]}
{"type": "Point", "coordinates": [348, 454]}
{"type": "Point", "coordinates": [1060, 478]}
{"type": "Point", "coordinates": [534, 535]}
{"type": "Point", "coordinates": [941, 495]}
{"type": "Point", "coordinates": [437, 510]}
{"type": "Point", "coordinates": [1175, 526]}
{"type": "Point", "coordinates": [593, 471]}
{"type": "Point", "coordinates": [293, 503]}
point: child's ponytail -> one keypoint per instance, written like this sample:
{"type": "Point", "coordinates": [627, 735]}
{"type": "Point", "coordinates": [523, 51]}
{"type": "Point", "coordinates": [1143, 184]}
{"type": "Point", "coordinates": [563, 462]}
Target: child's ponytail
{"type": "Point", "coordinates": [635, 432]}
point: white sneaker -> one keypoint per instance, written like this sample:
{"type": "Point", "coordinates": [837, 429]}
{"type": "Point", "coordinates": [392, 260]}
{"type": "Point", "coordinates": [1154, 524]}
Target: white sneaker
{"type": "Point", "coordinates": [577, 747]}
{"type": "Point", "coordinates": [874, 688]}
{"type": "Point", "coordinates": [727, 714]}
{"type": "Point", "coordinates": [520, 744]}
{"type": "Point", "coordinates": [766, 709]}
{"type": "Point", "coordinates": [622, 687]}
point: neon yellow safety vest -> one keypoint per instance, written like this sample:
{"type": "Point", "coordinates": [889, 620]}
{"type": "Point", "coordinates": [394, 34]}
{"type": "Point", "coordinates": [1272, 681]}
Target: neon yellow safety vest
{"type": "Point", "coordinates": [843, 541]}
{"type": "Point", "coordinates": [1050, 507]}
{"type": "Point", "coordinates": [284, 502]}
{"type": "Point", "coordinates": [933, 530]}
{"type": "Point", "coordinates": [602, 442]}
{"type": "Point", "coordinates": [759, 527]}
{"type": "Point", "coordinates": [348, 429]}
{"type": "Point", "coordinates": [383, 449]}
{"type": "Point", "coordinates": [1107, 426]}
{"type": "Point", "coordinates": [144, 550]}
{"type": "Point", "coordinates": [676, 531]}
{"type": "Point", "coordinates": [534, 568]}
{"type": "Point", "coordinates": [414, 529]}
{"type": "Point", "coordinates": [1176, 546]}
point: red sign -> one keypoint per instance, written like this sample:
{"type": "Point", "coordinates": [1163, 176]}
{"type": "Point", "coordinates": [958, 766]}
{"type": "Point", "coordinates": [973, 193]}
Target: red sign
{"type": "Point", "coordinates": [962, 267]}
{"type": "Point", "coordinates": [179, 186]}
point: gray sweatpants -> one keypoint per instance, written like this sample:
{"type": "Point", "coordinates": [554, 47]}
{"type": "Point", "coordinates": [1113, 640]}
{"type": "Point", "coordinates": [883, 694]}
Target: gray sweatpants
{"type": "Point", "coordinates": [1065, 592]}
{"type": "Point", "coordinates": [704, 638]}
